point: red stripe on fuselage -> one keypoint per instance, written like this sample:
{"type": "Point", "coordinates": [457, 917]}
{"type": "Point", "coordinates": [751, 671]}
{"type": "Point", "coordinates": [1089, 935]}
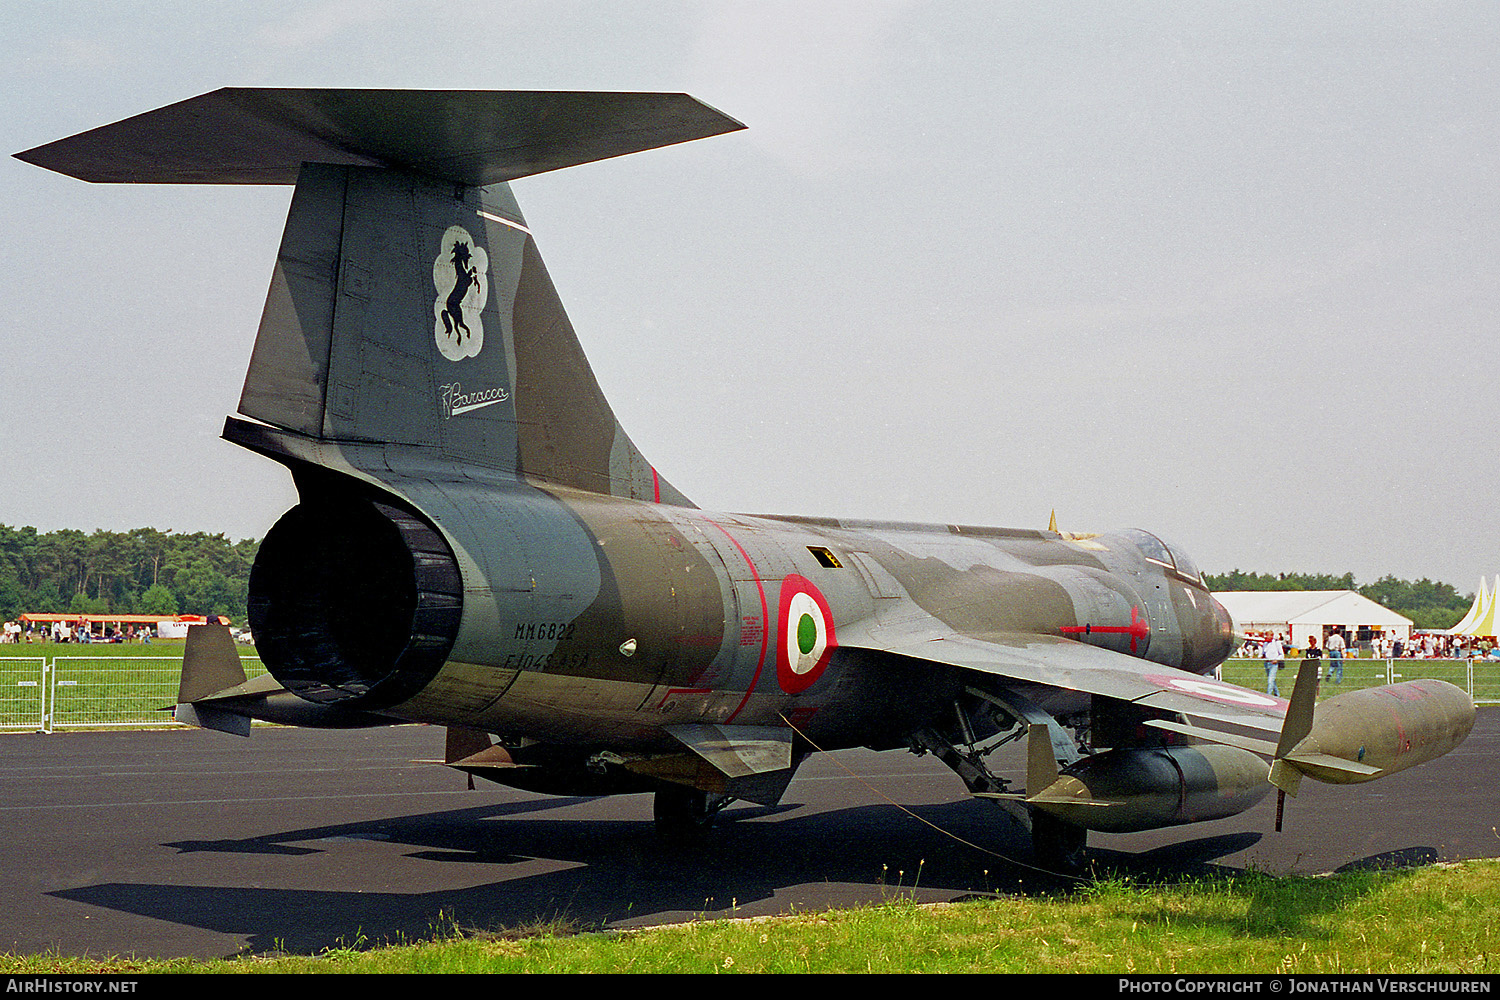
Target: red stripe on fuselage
{"type": "Point", "coordinates": [764, 618]}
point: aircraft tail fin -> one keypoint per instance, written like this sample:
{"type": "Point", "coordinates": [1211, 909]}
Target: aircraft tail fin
{"type": "Point", "coordinates": [410, 311]}
{"type": "Point", "coordinates": [1299, 711]}
{"type": "Point", "coordinates": [1294, 729]}
{"type": "Point", "coordinates": [210, 665]}
{"type": "Point", "coordinates": [409, 305]}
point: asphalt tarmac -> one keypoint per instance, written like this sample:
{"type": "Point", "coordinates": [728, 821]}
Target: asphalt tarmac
{"type": "Point", "coordinates": [197, 843]}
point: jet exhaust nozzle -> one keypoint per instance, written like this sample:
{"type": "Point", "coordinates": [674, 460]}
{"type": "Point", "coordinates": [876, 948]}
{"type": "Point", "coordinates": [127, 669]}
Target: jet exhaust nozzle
{"type": "Point", "coordinates": [354, 602]}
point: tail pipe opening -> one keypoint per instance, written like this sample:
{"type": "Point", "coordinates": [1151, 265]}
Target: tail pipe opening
{"type": "Point", "coordinates": [354, 601]}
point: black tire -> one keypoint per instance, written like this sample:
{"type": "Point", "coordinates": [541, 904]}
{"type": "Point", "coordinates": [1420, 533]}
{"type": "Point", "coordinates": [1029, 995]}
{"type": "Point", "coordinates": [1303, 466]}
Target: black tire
{"type": "Point", "coordinates": [683, 815]}
{"type": "Point", "coordinates": [1057, 846]}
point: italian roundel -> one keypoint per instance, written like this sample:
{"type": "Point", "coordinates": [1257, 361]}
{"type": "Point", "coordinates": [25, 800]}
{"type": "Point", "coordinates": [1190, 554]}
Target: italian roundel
{"type": "Point", "coordinates": [806, 638]}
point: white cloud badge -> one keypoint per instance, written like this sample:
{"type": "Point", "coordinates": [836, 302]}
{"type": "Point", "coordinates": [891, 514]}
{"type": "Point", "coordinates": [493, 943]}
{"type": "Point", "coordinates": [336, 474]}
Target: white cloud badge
{"type": "Point", "coordinates": [461, 275]}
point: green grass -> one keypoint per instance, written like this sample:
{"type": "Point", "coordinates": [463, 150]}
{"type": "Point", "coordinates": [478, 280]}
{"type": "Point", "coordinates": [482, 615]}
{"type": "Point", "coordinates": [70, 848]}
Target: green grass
{"type": "Point", "coordinates": [158, 647]}
{"type": "Point", "coordinates": [1436, 919]}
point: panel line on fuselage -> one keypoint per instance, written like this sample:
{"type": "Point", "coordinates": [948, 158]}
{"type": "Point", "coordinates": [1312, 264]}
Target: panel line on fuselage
{"type": "Point", "coordinates": [765, 631]}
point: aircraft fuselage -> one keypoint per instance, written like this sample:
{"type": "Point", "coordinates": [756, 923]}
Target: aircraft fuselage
{"type": "Point", "coordinates": [585, 618]}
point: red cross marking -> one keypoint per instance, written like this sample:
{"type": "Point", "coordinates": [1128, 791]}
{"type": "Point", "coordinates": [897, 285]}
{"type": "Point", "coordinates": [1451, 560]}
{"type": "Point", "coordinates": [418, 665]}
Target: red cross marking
{"type": "Point", "coordinates": [1138, 629]}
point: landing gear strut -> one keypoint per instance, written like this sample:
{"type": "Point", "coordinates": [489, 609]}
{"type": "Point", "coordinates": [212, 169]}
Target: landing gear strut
{"type": "Point", "coordinates": [1058, 847]}
{"type": "Point", "coordinates": [684, 814]}
{"type": "Point", "coordinates": [1000, 717]}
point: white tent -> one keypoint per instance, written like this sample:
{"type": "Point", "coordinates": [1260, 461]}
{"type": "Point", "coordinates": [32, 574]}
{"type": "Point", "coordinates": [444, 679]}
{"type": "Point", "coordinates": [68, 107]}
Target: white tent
{"type": "Point", "coordinates": [1481, 617]}
{"type": "Point", "coordinates": [1480, 603]}
{"type": "Point", "coordinates": [1301, 613]}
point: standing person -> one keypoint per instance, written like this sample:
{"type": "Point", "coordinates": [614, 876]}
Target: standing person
{"type": "Point", "coordinates": [1315, 654]}
{"type": "Point", "coordinates": [1336, 647]}
{"type": "Point", "coordinates": [1274, 652]}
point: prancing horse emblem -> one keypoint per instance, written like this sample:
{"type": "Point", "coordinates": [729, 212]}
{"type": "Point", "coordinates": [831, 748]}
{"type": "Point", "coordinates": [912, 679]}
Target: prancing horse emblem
{"type": "Point", "coordinates": [459, 274]}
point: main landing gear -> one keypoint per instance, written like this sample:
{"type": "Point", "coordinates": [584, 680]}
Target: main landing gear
{"type": "Point", "coordinates": [683, 815]}
{"type": "Point", "coordinates": [1057, 846]}
{"type": "Point", "coordinates": [983, 722]}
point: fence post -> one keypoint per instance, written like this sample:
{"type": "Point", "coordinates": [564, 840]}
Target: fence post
{"type": "Point", "coordinates": [49, 696]}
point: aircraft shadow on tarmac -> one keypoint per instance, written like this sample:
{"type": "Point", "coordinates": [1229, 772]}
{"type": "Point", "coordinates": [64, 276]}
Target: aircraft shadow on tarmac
{"type": "Point", "coordinates": [617, 873]}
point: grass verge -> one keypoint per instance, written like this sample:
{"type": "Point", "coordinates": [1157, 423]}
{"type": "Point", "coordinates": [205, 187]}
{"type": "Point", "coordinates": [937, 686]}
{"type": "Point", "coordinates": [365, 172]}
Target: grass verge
{"type": "Point", "coordinates": [1436, 919]}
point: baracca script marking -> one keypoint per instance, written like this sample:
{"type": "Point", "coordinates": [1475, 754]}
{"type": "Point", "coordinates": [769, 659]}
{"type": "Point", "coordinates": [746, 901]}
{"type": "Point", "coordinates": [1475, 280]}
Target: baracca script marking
{"type": "Point", "coordinates": [456, 401]}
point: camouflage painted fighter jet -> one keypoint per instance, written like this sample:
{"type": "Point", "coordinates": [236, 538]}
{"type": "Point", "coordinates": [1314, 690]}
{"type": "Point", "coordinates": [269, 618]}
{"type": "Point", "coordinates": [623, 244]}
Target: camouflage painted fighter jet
{"type": "Point", "coordinates": [479, 545]}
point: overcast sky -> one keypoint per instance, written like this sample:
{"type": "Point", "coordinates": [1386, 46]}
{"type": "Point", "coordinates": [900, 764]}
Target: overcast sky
{"type": "Point", "coordinates": [1225, 272]}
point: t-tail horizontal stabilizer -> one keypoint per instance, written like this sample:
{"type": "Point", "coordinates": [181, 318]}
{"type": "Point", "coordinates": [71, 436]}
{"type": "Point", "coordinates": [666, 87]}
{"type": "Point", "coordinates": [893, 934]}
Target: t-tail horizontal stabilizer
{"type": "Point", "coordinates": [409, 305]}
{"type": "Point", "coordinates": [263, 135]}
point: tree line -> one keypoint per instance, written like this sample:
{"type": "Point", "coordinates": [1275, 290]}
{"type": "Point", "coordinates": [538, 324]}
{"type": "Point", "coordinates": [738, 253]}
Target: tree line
{"type": "Point", "coordinates": [141, 571]}
{"type": "Point", "coordinates": [1428, 604]}
{"type": "Point", "coordinates": [153, 572]}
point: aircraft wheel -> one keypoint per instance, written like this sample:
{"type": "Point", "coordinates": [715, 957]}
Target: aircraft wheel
{"type": "Point", "coordinates": [1058, 847]}
{"type": "Point", "coordinates": [683, 815]}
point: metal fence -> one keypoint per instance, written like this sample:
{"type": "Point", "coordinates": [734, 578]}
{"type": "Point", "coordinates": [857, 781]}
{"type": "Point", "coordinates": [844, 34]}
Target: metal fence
{"type": "Point", "coordinates": [23, 692]}
{"type": "Point", "coordinates": [87, 692]}
{"type": "Point", "coordinates": [1480, 678]}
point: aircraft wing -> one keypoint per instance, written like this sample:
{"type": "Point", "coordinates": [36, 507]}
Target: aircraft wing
{"type": "Point", "coordinates": [1355, 736]}
{"type": "Point", "coordinates": [1055, 661]}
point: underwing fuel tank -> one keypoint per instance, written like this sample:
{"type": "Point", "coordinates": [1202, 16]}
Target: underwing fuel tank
{"type": "Point", "coordinates": [1367, 734]}
{"type": "Point", "coordinates": [1128, 790]}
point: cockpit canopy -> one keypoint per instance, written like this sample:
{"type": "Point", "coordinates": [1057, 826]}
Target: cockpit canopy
{"type": "Point", "coordinates": [1165, 554]}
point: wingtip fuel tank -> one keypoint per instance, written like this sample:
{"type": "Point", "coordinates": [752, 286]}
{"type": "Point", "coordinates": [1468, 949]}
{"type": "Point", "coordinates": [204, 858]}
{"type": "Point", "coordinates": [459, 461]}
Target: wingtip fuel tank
{"type": "Point", "coordinates": [1363, 735]}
